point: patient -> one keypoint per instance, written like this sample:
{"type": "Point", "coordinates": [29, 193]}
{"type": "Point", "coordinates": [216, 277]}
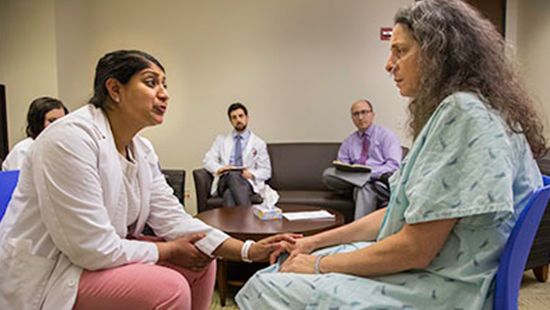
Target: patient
{"type": "Point", "coordinates": [456, 196]}
{"type": "Point", "coordinates": [42, 112]}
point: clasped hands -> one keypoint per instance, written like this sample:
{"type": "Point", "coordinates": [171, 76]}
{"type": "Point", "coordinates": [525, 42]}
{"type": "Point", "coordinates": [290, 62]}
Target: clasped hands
{"type": "Point", "coordinates": [182, 251]}
{"type": "Point", "coordinates": [299, 259]}
{"type": "Point", "coordinates": [245, 173]}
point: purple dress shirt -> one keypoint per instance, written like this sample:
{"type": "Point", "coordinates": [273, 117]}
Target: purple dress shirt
{"type": "Point", "coordinates": [384, 153]}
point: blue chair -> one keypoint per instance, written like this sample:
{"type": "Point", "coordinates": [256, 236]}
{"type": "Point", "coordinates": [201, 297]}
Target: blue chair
{"type": "Point", "coordinates": [516, 251]}
{"type": "Point", "coordinates": [8, 181]}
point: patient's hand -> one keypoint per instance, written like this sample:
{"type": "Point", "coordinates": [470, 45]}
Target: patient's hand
{"type": "Point", "coordinates": [301, 246]}
{"type": "Point", "coordinates": [299, 263]}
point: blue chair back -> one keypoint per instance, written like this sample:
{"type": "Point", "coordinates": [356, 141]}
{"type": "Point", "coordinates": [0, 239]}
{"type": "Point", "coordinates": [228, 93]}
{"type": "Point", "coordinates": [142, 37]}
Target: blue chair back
{"type": "Point", "coordinates": [516, 251]}
{"type": "Point", "coordinates": [8, 181]}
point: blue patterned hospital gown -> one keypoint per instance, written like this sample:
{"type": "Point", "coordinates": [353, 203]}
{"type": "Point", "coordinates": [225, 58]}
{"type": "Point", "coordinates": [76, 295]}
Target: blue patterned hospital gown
{"type": "Point", "coordinates": [465, 164]}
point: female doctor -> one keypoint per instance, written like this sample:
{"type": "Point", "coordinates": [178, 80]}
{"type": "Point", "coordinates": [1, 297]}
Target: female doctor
{"type": "Point", "coordinates": [70, 238]}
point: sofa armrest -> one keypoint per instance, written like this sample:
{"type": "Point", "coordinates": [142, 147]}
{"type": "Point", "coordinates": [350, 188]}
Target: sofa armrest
{"type": "Point", "coordinates": [203, 184]}
{"type": "Point", "coordinates": [176, 180]}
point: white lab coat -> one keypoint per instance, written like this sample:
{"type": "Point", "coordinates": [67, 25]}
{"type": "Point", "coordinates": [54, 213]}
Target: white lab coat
{"type": "Point", "coordinates": [65, 214]}
{"type": "Point", "coordinates": [14, 160]}
{"type": "Point", "coordinates": [255, 157]}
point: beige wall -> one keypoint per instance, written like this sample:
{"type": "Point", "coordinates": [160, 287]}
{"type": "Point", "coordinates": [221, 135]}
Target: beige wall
{"type": "Point", "coordinates": [298, 65]}
{"type": "Point", "coordinates": [533, 50]}
{"type": "Point", "coordinates": [76, 63]}
{"type": "Point", "coordinates": [27, 57]}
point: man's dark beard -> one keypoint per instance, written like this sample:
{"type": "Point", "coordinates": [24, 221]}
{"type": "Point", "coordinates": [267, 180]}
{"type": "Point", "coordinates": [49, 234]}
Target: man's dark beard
{"type": "Point", "coordinates": [240, 128]}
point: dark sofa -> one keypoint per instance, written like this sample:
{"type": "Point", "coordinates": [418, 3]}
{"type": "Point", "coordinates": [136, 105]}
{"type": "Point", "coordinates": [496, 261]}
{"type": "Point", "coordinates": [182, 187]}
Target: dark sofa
{"type": "Point", "coordinates": [297, 170]}
{"type": "Point", "coordinates": [176, 179]}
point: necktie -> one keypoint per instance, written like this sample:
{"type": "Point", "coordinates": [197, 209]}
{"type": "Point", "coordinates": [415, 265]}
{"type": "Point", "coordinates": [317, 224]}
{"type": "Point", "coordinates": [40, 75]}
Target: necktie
{"type": "Point", "coordinates": [238, 151]}
{"type": "Point", "coordinates": [365, 150]}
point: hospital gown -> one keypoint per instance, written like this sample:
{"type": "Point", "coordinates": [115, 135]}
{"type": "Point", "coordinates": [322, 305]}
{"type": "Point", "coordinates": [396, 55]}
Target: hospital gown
{"type": "Point", "coordinates": [465, 164]}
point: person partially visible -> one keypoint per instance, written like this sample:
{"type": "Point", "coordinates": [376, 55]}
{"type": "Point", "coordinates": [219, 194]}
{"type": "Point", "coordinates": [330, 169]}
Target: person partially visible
{"type": "Point", "coordinates": [457, 195]}
{"type": "Point", "coordinates": [239, 162]}
{"type": "Point", "coordinates": [42, 112]}
{"type": "Point", "coordinates": [371, 145]}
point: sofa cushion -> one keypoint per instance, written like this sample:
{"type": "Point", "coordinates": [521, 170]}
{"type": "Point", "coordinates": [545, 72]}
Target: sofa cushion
{"type": "Point", "coordinates": [217, 201]}
{"type": "Point", "coordinates": [300, 166]}
{"type": "Point", "coordinates": [297, 175]}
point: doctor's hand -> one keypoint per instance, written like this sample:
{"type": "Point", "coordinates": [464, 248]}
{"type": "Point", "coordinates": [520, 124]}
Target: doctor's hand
{"type": "Point", "coordinates": [223, 170]}
{"type": "Point", "coordinates": [247, 175]}
{"type": "Point", "coordinates": [182, 252]}
{"type": "Point", "coordinates": [301, 246]}
{"type": "Point", "coordinates": [260, 251]}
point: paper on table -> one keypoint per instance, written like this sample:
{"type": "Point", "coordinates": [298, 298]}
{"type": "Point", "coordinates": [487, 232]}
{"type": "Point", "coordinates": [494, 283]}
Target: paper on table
{"type": "Point", "coordinates": [308, 215]}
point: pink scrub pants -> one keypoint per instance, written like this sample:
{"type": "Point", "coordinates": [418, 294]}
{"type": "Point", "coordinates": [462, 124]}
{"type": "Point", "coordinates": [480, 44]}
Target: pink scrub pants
{"type": "Point", "coordinates": [144, 286]}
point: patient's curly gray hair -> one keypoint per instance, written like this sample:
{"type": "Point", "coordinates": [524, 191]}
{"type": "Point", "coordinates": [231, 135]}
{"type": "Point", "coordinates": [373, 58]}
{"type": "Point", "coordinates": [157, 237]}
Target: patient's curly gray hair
{"type": "Point", "coordinates": [462, 51]}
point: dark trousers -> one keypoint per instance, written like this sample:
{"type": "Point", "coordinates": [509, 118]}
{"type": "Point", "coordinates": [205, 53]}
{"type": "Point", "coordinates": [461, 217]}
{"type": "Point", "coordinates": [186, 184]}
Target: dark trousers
{"type": "Point", "coordinates": [235, 189]}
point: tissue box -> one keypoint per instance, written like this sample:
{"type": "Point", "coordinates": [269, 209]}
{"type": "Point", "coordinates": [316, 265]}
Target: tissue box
{"type": "Point", "coordinates": [265, 213]}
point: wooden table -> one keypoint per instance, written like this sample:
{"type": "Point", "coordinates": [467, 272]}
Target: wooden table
{"type": "Point", "coordinates": [240, 223]}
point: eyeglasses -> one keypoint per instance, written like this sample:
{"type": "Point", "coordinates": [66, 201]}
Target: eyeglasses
{"type": "Point", "coordinates": [360, 113]}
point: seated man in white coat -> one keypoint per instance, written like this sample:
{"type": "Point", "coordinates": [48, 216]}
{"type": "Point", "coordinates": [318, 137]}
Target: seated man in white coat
{"type": "Point", "coordinates": [238, 161]}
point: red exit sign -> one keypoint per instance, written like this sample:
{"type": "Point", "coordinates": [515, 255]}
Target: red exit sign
{"type": "Point", "coordinates": [385, 34]}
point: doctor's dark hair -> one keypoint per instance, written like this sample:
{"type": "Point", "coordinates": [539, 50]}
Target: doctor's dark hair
{"type": "Point", "coordinates": [460, 50]}
{"type": "Point", "coordinates": [37, 113]}
{"type": "Point", "coordinates": [120, 65]}
{"type": "Point", "coordinates": [236, 106]}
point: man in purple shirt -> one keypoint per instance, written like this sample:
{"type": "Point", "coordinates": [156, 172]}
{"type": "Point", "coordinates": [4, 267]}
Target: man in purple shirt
{"type": "Point", "coordinates": [371, 145]}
